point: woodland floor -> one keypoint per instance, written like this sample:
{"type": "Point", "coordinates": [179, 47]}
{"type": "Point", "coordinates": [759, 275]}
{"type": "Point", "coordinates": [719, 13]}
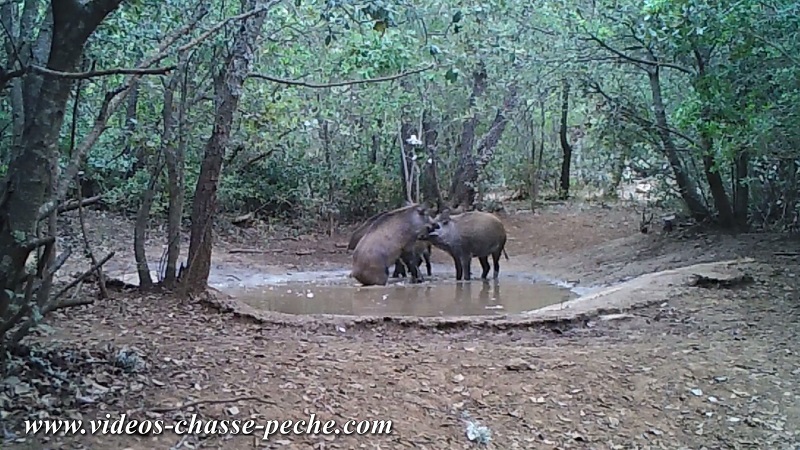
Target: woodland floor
{"type": "Point", "coordinates": [710, 368]}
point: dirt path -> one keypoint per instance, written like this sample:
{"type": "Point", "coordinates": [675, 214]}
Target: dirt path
{"type": "Point", "coordinates": [713, 368]}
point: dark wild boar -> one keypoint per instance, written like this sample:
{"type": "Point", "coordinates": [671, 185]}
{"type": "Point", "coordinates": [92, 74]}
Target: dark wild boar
{"type": "Point", "coordinates": [468, 235]}
{"type": "Point", "coordinates": [421, 250]}
{"type": "Point", "coordinates": [390, 235]}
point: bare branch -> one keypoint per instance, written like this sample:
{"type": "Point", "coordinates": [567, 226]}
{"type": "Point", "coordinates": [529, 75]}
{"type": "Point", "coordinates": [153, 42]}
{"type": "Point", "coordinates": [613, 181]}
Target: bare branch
{"type": "Point", "coordinates": [220, 25]}
{"type": "Point", "coordinates": [629, 112]}
{"type": "Point", "coordinates": [340, 83]}
{"type": "Point", "coordinates": [633, 59]}
{"type": "Point", "coordinates": [72, 303]}
{"type": "Point", "coordinates": [96, 266]}
{"type": "Point", "coordinates": [776, 46]}
{"type": "Point", "coordinates": [75, 204]}
{"type": "Point", "coordinates": [103, 73]}
{"type": "Point", "coordinates": [5, 77]}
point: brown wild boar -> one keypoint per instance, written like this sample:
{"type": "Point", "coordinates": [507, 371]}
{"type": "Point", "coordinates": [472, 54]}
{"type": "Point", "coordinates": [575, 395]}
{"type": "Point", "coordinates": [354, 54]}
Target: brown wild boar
{"type": "Point", "coordinates": [386, 239]}
{"type": "Point", "coordinates": [362, 229]}
{"type": "Point", "coordinates": [421, 250]}
{"type": "Point", "coordinates": [467, 235]}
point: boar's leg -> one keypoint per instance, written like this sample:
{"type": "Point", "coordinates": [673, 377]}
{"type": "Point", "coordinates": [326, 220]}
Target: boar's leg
{"type": "Point", "coordinates": [459, 267]}
{"type": "Point", "coordinates": [496, 261]}
{"type": "Point", "coordinates": [466, 262]}
{"type": "Point", "coordinates": [411, 261]}
{"type": "Point", "coordinates": [427, 256]}
{"type": "Point", "coordinates": [399, 269]}
{"type": "Point", "coordinates": [484, 266]}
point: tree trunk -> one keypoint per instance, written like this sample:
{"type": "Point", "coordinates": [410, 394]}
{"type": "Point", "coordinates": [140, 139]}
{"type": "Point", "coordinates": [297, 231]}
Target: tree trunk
{"type": "Point", "coordinates": [174, 156]}
{"type": "Point", "coordinates": [140, 227]}
{"type": "Point", "coordinates": [375, 149]}
{"type": "Point", "coordinates": [462, 191]}
{"type": "Point", "coordinates": [685, 186]}
{"type": "Point", "coordinates": [406, 165]}
{"type": "Point", "coordinates": [566, 148]}
{"type": "Point", "coordinates": [721, 201]}
{"type": "Point", "coordinates": [488, 143]}
{"type": "Point", "coordinates": [741, 190]}
{"type": "Point", "coordinates": [324, 135]}
{"type": "Point", "coordinates": [430, 176]}
{"type": "Point", "coordinates": [227, 90]}
{"type": "Point", "coordinates": [37, 53]}
{"type": "Point", "coordinates": [533, 184]}
{"type": "Point", "coordinates": [715, 183]}
{"type": "Point", "coordinates": [30, 177]}
{"type": "Point", "coordinates": [129, 126]}
{"type": "Point", "coordinates": [8, 19]}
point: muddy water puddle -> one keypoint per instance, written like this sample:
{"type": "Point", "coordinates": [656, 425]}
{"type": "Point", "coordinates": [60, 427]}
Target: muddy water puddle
{"type": "Point", "coordinates": [434, 298]}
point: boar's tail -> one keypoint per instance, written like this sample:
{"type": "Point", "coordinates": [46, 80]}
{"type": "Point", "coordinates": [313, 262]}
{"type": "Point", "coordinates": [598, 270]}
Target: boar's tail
{"type": "Point", "coordinates": [505, 253]}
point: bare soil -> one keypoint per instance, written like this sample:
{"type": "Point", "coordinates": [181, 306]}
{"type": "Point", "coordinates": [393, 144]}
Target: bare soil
{"type": "Point", "coordinates": [707, 368]}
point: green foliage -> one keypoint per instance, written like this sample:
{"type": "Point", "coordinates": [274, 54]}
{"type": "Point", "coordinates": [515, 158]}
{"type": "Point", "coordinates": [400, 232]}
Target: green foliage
{"type": "Point", "coordinates": [366, 190]}
{"type": "Point", "coordinates": [742, 95]}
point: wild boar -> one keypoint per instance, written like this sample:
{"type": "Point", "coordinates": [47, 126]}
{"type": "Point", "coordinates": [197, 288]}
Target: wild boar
{"type": "Point", "coordinates": [467, 235]}
{"type": "Point", "coordinates": [390, 235]}
{"type": "Point", "coordinates": [421, 250]}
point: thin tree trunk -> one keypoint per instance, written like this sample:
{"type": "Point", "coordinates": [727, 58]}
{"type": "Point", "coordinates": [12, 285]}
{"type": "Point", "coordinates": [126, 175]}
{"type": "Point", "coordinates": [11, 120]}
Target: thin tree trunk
{"type": "Point", "coordinates": [375, 148]}
{"type": "Point", "coordinates": [227, 88]}
{"type": "Point", "coordinates": [140, 227]}
{"type": "Point", "coordinates": [533, 183]}
{"type": "Point", "coordinates": [174, 159]}
{"type": "Point", "coordinates": [462, 191]}
{"type": "Point", "coordinates": [406, 129]}
{"type": "Point", "coordinates": [566, 148]}
{"type": "Point", "coordinates": [741, 190]}
{"type": "Point", "coordinates": [430, 175]}
{"type": "Point", "coordinates": [685, 186]}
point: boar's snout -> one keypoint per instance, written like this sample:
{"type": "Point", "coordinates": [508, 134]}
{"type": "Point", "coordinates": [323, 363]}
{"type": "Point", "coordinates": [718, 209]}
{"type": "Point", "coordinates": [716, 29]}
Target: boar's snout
{"type": "Point", "coordinates": [433, 229]}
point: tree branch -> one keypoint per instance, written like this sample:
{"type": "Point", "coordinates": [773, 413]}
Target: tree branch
{"type": "Point", "coordinates": [776, 46]}
{"type": "Point", "coordinates": [5, 76]}
{"type": "Point", "coordinates": [220, 25]}
{"type": "Point", "coordinates": [102, 73]}
{"type": "Point", "coordinates": [633, 116]}
{"type": "Point", "coordinates": [75, 204]}
{"type": "Point", "coordinates": [632, 59]}
{"type": "Point", "coordinates": [340, 83]}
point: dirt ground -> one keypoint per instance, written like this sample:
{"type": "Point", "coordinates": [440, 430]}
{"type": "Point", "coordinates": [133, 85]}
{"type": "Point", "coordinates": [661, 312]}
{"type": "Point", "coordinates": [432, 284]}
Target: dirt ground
{"type": "Point", "coordinates": [709, 368]}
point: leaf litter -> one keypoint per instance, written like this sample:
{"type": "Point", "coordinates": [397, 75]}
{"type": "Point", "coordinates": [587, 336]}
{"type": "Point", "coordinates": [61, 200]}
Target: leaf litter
{"type": "Point", "coordinates": [620, 384]}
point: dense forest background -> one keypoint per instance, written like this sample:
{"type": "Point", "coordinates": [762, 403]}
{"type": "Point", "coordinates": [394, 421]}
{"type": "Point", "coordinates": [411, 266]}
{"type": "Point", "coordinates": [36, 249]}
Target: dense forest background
{"type": "Point", "coordinates": [323, 113]}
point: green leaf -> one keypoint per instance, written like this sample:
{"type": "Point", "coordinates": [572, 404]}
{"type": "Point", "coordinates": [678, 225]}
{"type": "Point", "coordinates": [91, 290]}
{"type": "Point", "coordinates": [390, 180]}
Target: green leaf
{"type": "Point", "coordinates": [451, 75]}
